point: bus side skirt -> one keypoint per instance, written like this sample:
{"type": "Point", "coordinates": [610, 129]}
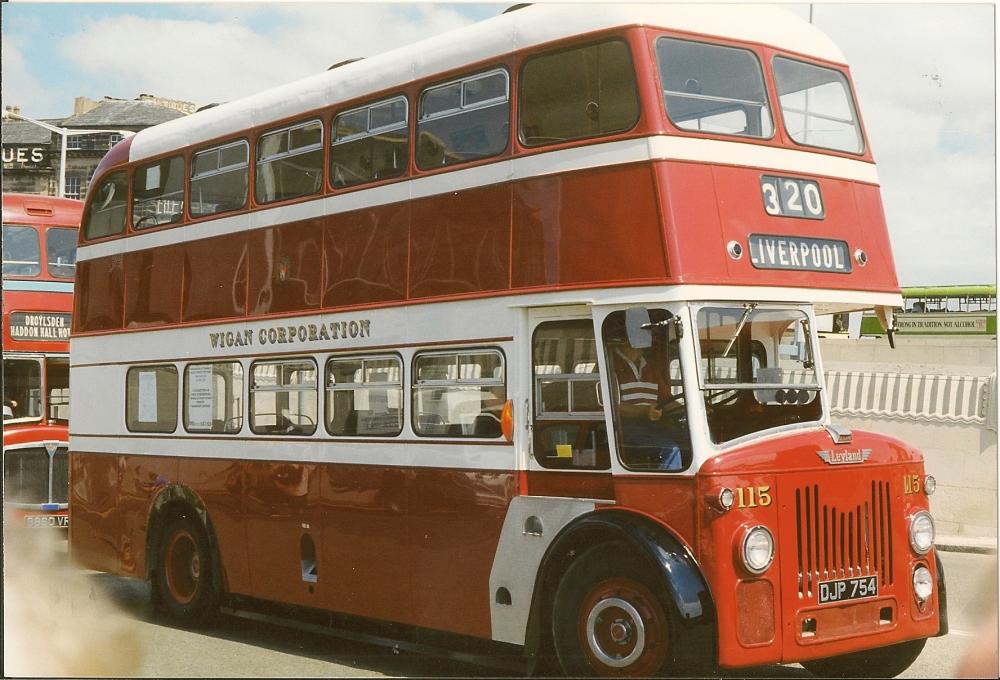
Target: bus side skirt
{"type": "Point", "coordinates": [690, 598]}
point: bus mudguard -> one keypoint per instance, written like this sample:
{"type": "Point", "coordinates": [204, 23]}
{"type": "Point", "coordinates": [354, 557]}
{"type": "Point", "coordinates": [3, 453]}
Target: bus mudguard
{"type": "Point", "coordinates": [942, 595]}
{"type": "Point", "coordinates": [690, 597]}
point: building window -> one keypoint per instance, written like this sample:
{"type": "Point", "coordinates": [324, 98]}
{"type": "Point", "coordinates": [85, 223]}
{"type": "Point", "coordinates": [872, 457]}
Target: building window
{"type": "Point", "coordinates": [73, 188]}
{"type": "Point", "coordinates": [464, 120]}
{"type": "Point", "coordinates": [369, 143]}
{"type": "Point", "coordinates": [219, 178]}
{"type": "Point", "coordinates": [151, 399]}
{"type": "Point", "coordinates": [289, 162]}
{"type": "Point", "coordinates": [283, 397]}
{"type": "Point", "coordinates": [581, 92]}
{"type": "Point", "coordinates": [364, 396]}
{"type": "Point", "coordinates": [213, 397]}
{"type": "Point", "coordinates": [458, 394]}
{"type": "Point", "coordinates": [158, 193]}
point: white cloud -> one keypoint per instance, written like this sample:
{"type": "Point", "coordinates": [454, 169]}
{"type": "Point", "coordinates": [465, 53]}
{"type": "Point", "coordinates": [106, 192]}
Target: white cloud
{"type": "Point", "coordinates": [221, 58]}
{"type": "Point", "coordinates": [20, 87]}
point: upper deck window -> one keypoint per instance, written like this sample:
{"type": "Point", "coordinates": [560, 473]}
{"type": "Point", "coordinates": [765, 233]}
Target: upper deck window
{"type": "Point", "coordinates": [106, 213]}
{"type": "Point", "coordinates": [21, 256]}
{"type": "Point", "coordinates": [60, 249]}
{"type": "Point", "coordinates": [817, 106]}
{"type": "Point", "coordinates": [219, 178]}
{"type": "Point", "coordinates": [369, 143]}
{"type": "Point", "coordinates": [463, 120]}
{"type": "Point", "coordinates": [581, 92]}
{"type": "Point", "coordinates": [158, 193]}
{"type": "Point", "coordinates": [711, 88]}
{"type": "Point", "coordinates": [289, 162]}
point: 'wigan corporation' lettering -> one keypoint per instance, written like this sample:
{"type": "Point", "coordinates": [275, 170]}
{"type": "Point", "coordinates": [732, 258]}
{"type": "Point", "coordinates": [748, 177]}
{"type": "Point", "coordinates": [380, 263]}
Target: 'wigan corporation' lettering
{"type": "Point", "coordinates": [282, 334]}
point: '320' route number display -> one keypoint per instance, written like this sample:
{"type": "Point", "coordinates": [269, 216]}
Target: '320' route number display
{"type": "Point", "coordinates": [789, 197]}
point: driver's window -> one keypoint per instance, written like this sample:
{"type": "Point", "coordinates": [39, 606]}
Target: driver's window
{"type": "Point", "coordinates": [569, 428]}
{"type": "Point", "coordinates": [647, 392]}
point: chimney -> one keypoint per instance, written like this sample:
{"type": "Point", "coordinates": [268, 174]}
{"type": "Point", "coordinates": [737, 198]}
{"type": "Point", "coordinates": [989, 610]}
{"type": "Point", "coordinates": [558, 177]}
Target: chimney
{"type": "Point", "coordinates": [15, 109]}
{"type": "Point", "coordinates": [82, 105]}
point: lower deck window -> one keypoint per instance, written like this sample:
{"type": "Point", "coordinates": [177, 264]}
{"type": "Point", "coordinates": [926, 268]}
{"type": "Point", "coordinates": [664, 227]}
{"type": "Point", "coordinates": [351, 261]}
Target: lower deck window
{"type": "Point", "coordinates": [458, 394]}
{"type": "Point", "coordinates": [151, 399]}
{"type": "Point", "coordinates": [364, 397]}
{"type": "Point", "coordinates": [213, 397]}
{"type": "Point", "coordinates": [569, 424]}
{"type": "Point", "coordinates": [283, 397]}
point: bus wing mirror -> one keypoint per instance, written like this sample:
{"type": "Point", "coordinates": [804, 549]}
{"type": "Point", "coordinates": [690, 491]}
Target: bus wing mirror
{"type": "Point", "coordinates": [637, 327]}
{"type": "Point", "coordinates": [887, 318]}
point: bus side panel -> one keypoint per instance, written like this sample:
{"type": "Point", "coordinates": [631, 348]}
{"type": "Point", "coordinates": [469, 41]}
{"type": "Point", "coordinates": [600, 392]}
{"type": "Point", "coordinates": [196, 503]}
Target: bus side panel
{"type": "Point", "coordinates": [219, 484]}
{"type": "Point", "coordinates": [142, 478]}
{"type": "Point", "coordinates": [691, 228]}
{"type": "Point", "coordinates": [455, 521]}
{"type": "Point", "coordinates": [153, 287]}
{"type": "Point", "coordinates": [364, 256]}
{"type": "Point", "coordinates": [281, 504]}
{"type": "Point", "coordinates": [460, 242]}
{"type": "Point", "coordinates": [215, 278]}
{"type": "Point", "coordinates": [666, 498]}
{"type": "Point", "coordinates": [100, 295]}
{"type": "Point", "coordinates": [94, 526]}
{"type": "Point", "coordinates": [365, 567]}
{"type": "Point", "coordinates": [586, 227]}
{"type": "Point", "coordinates": [285, 263]}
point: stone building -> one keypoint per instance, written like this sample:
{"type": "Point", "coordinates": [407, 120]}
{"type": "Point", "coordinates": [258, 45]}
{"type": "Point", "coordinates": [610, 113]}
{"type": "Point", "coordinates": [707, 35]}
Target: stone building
{"type": "Point", "coordinates": [31, 153]}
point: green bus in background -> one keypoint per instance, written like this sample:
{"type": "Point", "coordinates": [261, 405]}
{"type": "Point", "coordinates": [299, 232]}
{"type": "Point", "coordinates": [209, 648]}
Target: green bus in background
{"type": "Point", "coordinates": [942, 310]}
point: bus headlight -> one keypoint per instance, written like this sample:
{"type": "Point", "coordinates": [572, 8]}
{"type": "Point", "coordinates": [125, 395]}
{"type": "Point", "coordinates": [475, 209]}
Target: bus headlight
{"type": "Point", "coordinates": [758, 550]}
{"type": "Point", "coordinates": [921, 532]}
{"type": "Point", "coordinates": [923, 584]}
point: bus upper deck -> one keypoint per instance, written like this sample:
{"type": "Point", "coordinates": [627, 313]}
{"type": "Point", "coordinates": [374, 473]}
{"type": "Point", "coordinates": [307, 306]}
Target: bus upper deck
{"type": "Point", "coordinates": [499, 162]}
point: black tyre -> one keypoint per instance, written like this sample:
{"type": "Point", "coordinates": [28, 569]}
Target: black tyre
{"type": "Point", "coordinates": [611, 616]}
{"type": "Point", "coordinates": [885, 662]}
{"type": "Point", "coordinates": [185, 584]}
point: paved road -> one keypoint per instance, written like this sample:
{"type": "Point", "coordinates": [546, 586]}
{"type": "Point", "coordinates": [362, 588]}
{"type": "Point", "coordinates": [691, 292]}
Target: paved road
{"type": "Point", "coordinates": [84, 623]}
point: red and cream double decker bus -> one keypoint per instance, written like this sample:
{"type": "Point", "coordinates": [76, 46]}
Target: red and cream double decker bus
{"type": "Point", "coordinates": [510, 334]}
{"type": "Point", "coordinates": [39, 264]}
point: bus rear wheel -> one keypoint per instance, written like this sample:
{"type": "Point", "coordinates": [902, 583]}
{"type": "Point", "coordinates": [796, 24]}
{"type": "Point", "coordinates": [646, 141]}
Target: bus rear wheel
{"type": "Point", "coordinates": [885, 662]}
{"type": "Point", "coordinates": [608, 619]}
{"type": "Point", "coordinates": [185, 581]}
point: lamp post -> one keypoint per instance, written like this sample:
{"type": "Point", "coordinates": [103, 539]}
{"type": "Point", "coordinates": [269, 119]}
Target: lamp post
{"type": "Point", "coordinates": [65, 134]}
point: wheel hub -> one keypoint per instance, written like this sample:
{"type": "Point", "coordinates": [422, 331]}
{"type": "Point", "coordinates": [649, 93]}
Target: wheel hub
{"type": "Point", "coordinates": [616, 634]}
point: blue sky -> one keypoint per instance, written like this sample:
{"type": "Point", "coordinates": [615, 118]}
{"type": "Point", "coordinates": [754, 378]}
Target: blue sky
{"type": "Point", "coordinates": [924, 73]}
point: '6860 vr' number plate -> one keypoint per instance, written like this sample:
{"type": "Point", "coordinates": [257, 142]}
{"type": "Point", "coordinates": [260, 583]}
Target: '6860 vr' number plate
{"type": "Point", "coordinates": [848, 589]}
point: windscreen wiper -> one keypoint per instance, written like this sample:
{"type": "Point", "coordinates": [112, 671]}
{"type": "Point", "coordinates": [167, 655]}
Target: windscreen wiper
{"type": "Point", "coordinates": [747, 308]}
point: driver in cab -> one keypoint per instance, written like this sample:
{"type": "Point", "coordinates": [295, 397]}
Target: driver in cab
{"type": "Point", "coordinates": [644, 401]}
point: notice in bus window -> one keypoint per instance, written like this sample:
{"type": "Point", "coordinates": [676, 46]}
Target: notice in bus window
{"type": "Point", "coordinates": [147, 397]}
{"type": "Point", "coordinates": [199, 397]}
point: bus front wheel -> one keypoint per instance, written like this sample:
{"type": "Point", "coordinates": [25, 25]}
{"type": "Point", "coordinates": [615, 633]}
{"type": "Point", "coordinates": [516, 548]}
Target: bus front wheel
{"type": "Point", "coordinates": [884, 662]}
{"type": "Point", "coordinates": [609, 618]}
{"type": "Point", "coordinates": [184, 581]}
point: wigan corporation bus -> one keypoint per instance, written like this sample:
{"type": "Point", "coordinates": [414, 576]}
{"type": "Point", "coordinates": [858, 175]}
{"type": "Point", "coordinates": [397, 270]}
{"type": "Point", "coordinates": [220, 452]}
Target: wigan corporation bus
{"type": "Point", "coordinates": [510, 334]}
{"type": "Point", "coordinates": [39, 264]}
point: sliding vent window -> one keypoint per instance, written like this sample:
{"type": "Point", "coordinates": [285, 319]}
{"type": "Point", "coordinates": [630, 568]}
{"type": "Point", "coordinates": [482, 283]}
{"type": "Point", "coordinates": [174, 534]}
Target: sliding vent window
{"type": "Point", "coordinates": [289, 162]}
{"type": "Point", "coordinates": [817, 106]}
{"type": "Point", "coordinates": [463, 120]}
{"type": "Point", "coordinates": [151, 399]}
{"type": "Point", "coordinates": [369, 144]}
{"type": "Point", "coordinates": [219, 179]}
{"type": "Point", "coordinates": [106, 212]}
{"type": "Point", "coordinates": [283, 397]}
{"type": "Point", "coordinates": [213, 397]}
{"type": "Point", "coordinates": [158, 193]}
{"type": "Point", "coordinates": [458, 394]}
{"type": "Point", "coordinates": [711, 88]}
{"type": "Point", "coordinates": [364, 397]}
{"type": "Point", "coordinates": [582, 92]}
